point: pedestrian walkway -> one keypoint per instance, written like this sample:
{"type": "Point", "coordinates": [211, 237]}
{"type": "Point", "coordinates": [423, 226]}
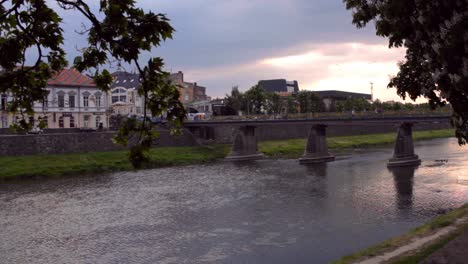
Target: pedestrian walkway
{"type": "Point", "coordinates": [460, 245]}
{"type": "Point", "coordinates": [454, 252]}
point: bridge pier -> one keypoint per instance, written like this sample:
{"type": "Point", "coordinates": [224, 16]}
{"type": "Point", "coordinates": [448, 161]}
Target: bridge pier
{"type": "Point", "coordinates": [244, 146]}
{"type": "Point", "coordinates": [316, 150]}
{"type": "Point", "coordinates": [403, 154]}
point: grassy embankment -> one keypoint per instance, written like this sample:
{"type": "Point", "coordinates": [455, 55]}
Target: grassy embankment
{"type": "Point", "coordinates": [424, 230]}
{"type": "Point", "coordinates": [99, 162]}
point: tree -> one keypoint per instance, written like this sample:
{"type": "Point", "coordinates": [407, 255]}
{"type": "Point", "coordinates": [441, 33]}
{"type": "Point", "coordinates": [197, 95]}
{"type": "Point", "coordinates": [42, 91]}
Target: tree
{"type": "Point", "coordinates": [255, 98]}
{"type": "Point", "coordinates": [309, 102]}
{"type": "Point", "coordinates": [236, 100]}
{"type": "Point", "coordinates": [435, 36]}
{"type": "Point", "coordinates": [273, 103]}
{"type": "Point", "coordinates": [120, 31]}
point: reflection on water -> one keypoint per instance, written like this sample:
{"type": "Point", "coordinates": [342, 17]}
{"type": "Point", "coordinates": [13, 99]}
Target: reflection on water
{"type": "Point", "coordinates": [267, 211]}
{"type": "Point", "coordinates": [403, 178]}
{"type": "Point", "coordinates": [319, 169]}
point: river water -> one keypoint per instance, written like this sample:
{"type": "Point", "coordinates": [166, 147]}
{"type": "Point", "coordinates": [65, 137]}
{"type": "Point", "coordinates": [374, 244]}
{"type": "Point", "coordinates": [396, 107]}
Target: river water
{"type": "Point", "coordinates": [268, 211]}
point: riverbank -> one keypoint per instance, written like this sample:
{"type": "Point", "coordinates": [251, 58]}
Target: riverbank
{"type": "Point", "coordinates": [416, 245]}
{"type": "Point", "coordinates": [39, 166]}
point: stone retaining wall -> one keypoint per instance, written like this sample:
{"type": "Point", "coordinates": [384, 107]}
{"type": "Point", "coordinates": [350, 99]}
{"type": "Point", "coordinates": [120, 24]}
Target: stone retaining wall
{"type": "Point", "coordinates": [72, 142]}
{"type": "Point", "coordinates": [17, 145]}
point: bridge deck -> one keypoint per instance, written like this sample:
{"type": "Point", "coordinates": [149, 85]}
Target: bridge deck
{"type": "Point", "coordinates": [328, 121]}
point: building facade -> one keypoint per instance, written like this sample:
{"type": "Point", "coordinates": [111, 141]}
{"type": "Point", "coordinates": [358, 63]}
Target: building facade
{"type": "Point", "coordinates": [73, 101]}
{"type": "Point", "coordinates": [189, 92]}
{"type": "Point", "coordinates": [124, 99]}
{"type": "Point", "coordinates": [123, 96]}
{"type": "Point", "coordinates": [330, 97]}
{"type": "Point", "coordinates": [279, 86]}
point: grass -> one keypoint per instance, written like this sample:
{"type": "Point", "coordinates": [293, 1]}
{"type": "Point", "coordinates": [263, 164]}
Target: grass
{"type": "Point", "coordinates": [295, 147]}
{"type": "Point", "coordinates": [424, 230]}
{"type": "Point", "coordinates": [38, 166]}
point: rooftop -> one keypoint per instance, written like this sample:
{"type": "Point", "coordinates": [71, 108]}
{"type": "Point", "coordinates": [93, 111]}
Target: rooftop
{"type": "Point", "coordinates": [71, 77]}
{"type": "Point", "coordinates": [342, 94]}
{"type": "Point", "coordinates": [126, 79]}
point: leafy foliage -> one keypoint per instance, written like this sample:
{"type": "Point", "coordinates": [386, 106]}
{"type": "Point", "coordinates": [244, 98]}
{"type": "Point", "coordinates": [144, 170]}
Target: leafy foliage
{"type": "Point", "coordinates": [309, 102]}
{"type": "Point", "coordinates": [120, 32]}
{"type": "Point", "coordinates": [435, 37]}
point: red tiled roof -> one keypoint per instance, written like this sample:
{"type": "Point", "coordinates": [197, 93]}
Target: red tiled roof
{"type": "Point", "coordinates": [71, 77]}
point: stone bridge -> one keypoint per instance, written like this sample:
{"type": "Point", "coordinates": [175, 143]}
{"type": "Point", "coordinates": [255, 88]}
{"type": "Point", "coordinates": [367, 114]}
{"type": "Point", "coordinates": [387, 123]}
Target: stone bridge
{"type": "Point", "coordinates": [244, 134]}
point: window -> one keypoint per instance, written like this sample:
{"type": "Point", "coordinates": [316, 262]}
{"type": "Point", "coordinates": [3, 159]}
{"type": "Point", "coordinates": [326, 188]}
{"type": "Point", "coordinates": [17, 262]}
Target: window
{"type": "Point", "coordinates": [71, 101]}
{"type": "Point", "coordinates": [61, 122]}
{"type": "Point", "coordinates": [86, 121]}
{"type": "Point", "coordinates": [98, 121]}
{"type": "Point", "coordinates": [98, 101]}
{"type": "Point", "coordinates": [85, 100]}
{"type": "Point", "coordinates": [72, 121]}
{"type": "Point", "coordinates": [4, 102]}
{"type": "Point", "coordinates": [119, 95]}
{"type": "Point", "coordinates": [61, 100]}
{"type": "Point", "coordinates": [4, 121]}
{"type": "Point", "coordinates": [186, 97]}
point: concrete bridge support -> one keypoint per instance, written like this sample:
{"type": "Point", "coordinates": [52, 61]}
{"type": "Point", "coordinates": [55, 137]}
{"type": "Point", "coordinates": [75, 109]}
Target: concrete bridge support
{"type": "Point", "coordinates": [316, 150]}
{"type": "Point", "coordinates": [403, 155]}
{"type": "Point", "coordinates": [244, 145]}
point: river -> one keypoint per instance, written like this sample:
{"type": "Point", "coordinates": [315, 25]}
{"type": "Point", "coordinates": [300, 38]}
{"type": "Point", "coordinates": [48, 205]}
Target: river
{"type": "Point", "coordinates": [267, 211]}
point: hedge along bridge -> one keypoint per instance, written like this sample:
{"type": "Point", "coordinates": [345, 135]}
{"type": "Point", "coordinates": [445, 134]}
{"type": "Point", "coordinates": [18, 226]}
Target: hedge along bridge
{"type": "Point", "coordinates": [245, 146]}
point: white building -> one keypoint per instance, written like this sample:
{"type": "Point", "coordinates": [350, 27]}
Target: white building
{"type": "Point", "coordinates": [73, 101]}
{"type": "Point", "coordinates": [123, 97]}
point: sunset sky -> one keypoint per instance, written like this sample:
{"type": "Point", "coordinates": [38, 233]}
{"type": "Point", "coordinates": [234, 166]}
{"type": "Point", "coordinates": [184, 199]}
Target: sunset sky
{"type": "Point", "coordinates": [220, 43]}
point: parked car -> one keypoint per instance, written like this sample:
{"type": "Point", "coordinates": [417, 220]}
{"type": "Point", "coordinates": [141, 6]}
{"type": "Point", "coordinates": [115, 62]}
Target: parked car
{"type": "Point", "coordinates": [196, 116]}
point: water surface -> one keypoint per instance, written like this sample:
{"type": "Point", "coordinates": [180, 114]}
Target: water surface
{"type": "Point", "coordinates": [268, 211]}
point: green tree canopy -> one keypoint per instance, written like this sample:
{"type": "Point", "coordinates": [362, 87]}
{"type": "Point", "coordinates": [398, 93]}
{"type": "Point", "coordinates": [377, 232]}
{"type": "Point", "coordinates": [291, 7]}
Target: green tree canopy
{"type": "Point", "coordinates": [119, 31]}
{"type": "Point", "coordinates": [236, 100]}
{"type": "Point", "coordinates": [255, 98]}
{"type": "Point", "coordinates": [435, 36]}
{"type": "Point", "coordinates": [309, 102]}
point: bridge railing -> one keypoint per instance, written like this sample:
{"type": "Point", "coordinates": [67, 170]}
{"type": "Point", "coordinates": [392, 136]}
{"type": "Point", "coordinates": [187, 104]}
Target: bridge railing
{"type": "Point", "coordinates": [344, 115]}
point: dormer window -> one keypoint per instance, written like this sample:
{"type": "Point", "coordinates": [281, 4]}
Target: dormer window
{"type": "Point", "coordinates": [119, 95]}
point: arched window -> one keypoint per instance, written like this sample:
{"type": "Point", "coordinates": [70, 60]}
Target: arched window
{"type": "Point", "coordinates": [98, 99]}
{"type": "Point", "coordinates": [72, 121]}
{"type": "Point", "coordinates": [119, 95]}
{"type": "Point", "coordinates": [61, 122]}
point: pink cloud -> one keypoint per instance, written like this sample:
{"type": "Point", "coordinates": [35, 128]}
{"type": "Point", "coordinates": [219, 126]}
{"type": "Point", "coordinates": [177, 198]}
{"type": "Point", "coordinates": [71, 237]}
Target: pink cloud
{"type": "Point", "coordinates": [346, 66]}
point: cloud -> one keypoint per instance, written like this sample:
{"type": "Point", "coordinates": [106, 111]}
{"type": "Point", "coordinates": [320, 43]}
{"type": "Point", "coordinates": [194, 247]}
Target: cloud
{"type": "Point", "coordinates": [224, 43]}
{"type": "Point", "coordinates": [333, 66]}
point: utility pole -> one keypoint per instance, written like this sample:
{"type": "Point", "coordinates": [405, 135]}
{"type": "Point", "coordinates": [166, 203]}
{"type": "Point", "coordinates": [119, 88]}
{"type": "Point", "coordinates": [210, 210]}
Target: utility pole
{"type": "Point", "coordinates": [372, 91]}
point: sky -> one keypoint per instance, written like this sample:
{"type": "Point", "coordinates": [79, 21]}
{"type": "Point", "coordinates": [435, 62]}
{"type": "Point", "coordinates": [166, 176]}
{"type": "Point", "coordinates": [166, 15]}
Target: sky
{"type": "Point", "coordinates": [220, 44]}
